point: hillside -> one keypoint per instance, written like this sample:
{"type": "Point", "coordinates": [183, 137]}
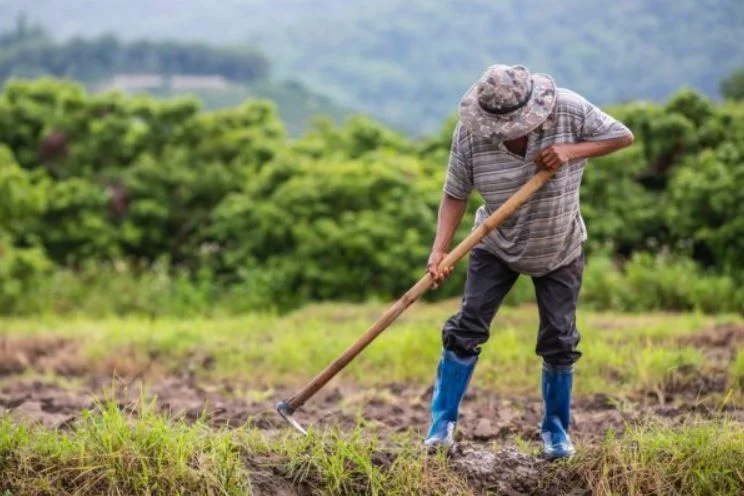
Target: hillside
{"type": "Point", "coordinates": [408, 62]}
{"type": "Point", "coordinates": [296, 105]}
{"type": "Point", "coordinates": [221, 76]}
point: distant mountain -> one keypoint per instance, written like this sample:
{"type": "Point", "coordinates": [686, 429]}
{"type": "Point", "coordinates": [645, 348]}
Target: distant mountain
{"type": "Point", "coordinates": [409, 61]}
{"type": "Point", "coordinates": [219, 76]}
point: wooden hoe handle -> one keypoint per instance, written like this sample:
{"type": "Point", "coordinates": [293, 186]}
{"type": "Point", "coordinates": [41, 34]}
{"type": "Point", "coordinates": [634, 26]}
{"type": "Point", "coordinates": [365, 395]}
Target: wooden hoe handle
{"type": "Point", "coordinates": [424, 284]}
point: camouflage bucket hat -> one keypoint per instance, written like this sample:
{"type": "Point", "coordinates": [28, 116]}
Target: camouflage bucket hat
{"type": "Point", "coordinates": [507, 102]}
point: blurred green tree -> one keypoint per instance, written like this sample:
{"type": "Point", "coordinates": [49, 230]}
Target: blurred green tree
{"type": "Point", "coordinates": [733, 86]}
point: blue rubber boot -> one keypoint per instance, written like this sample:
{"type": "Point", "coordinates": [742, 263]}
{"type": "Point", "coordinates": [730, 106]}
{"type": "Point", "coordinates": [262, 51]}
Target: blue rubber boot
{"type": "Point", "coordinates": [556, 390]}
{"type": "Point", "coordinates": [453, 376]}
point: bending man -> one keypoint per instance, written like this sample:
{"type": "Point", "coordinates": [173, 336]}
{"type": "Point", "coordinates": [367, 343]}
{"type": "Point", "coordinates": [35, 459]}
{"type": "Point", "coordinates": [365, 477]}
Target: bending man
{"type": "Point", "coordinates": [510, 122]}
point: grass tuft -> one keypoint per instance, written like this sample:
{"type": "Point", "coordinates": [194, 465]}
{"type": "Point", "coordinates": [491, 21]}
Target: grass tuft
{"type": "Point", "coordinates": [358, 462]}
{"type": "Point", "coordinates": [112, 452]}
{"type": "Point", "coordinates": [694, 459]}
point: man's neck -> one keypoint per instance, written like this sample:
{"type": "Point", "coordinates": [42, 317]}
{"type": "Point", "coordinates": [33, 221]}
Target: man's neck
{"type": "Point", "coordinates": [517, 146]}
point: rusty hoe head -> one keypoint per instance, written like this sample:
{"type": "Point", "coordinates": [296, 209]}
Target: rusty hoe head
{"type": "Point", "coordinates": [286, 411]}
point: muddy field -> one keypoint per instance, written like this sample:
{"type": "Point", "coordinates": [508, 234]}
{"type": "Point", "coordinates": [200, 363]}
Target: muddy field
{"type": "Point", "coordinates": [389, 409]}
{"type": "Point", "coordinates": [491, 424]}
{"type": "Point", "coordinates": [487, 455]}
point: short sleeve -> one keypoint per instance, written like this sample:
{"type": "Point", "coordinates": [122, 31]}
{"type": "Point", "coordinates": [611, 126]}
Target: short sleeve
{"type": "Point", "coordinates": [597, 125]}
{"type": "Point", "coordinates": [459, 180]}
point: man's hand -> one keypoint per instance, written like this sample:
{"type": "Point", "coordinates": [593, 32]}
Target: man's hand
{"type": "Point", "coordinates": [554, 157]}
{"type": "Point", "coordinates": [432, 266]}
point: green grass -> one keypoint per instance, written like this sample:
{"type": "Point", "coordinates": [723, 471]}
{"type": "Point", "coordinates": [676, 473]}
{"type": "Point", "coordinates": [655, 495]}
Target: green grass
{"type": "Point", "coordinates": [112, 453]}
{"type": "Point", "coordinates": [694, 459]}
{"type": "Point", "coordinates": [357, 462]}
{"type": "Point", "coordinates": [622, 353]}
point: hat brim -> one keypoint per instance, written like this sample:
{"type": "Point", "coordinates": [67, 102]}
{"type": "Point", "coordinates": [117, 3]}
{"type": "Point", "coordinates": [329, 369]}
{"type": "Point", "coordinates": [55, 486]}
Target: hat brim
{"type": "Point", "coordinates": [513, 125]}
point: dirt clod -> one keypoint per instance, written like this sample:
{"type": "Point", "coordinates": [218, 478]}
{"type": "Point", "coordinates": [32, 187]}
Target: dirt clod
{"type": "Point", "coordinates": [507, 471]}
{"type": "Point", "coordinates": [19, 354]}
{"type": "Point", "coordinates": [719, 336]}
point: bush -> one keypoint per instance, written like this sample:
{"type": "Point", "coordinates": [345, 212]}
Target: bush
{"type": "Point", "coordinates": [22, 271]}
{"type": "Point", "coordinates": [104, 289]}
{"type": "Point", "coordinates": [338, 229]}
{"type": "Point", "coordinates": [707, 205]}
{"type": "Point", "coordinates": [733, 86]}
{"type": "Point", "coordinates": [30, 285]}
{"type": "Point", "coordinates": [23, 198]}
{"type": "Point", "coordinates": [662, 282]}
{"type": "Point", "coordinates": [219, 209]}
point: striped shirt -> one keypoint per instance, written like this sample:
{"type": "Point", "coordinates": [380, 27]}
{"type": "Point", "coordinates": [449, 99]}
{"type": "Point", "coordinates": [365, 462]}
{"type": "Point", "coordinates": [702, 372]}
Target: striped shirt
{"type": "Point", "coordinates": [547, 232]}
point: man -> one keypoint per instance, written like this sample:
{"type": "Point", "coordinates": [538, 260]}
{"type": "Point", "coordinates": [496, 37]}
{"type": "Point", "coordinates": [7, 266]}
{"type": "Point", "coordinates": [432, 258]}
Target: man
{"type": "Point", "coordinates": [510, 122]}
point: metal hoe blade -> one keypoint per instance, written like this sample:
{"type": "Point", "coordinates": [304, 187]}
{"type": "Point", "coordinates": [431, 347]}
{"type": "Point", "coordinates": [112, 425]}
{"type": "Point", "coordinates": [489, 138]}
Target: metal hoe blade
{"type": "Point", "coordinates": [286, 412]}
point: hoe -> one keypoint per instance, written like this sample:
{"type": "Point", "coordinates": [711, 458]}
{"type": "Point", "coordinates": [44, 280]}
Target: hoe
{"type": "Point", "coordinates": [287, 407]}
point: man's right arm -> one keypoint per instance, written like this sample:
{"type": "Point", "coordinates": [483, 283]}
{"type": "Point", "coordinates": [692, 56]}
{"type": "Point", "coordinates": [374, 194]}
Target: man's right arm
{"type": "Point", "coordinates": [451, 211]}
{"type": "Point", "coordinates": [457, 187]}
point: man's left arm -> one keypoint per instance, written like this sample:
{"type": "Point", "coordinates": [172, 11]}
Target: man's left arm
{"type": "Point", "coordinates": [597, 134]}
{"type": "Point", "coordinates": [555, 156]}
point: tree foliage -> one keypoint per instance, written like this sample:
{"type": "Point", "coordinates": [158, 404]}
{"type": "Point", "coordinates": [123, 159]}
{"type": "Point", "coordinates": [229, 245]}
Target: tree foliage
{"type": "Point", "coordinates": [733, 86]}
{"type": "Point", "coordinates": [343, 213]}
{"type": "Point", "coordinates": [28, 52]}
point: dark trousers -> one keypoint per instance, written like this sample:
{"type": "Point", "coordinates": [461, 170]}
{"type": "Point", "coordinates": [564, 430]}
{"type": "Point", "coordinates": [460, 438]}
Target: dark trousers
{"type": "Point", "coordinates": [488, 282]}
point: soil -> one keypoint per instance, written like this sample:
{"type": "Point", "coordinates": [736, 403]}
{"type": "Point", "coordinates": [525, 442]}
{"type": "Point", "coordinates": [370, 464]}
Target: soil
{"type": "Point", "coordinates": [720, 343]}
{"type": "Point", "coordinates": [489, 427]}
{"type": "Point", "coordinates": [486, 456]}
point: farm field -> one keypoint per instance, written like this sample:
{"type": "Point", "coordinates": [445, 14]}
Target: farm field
{"type": "Point", "coordinates": [176, 406]}
{"type": "Point", "coordinates": [173, 266]}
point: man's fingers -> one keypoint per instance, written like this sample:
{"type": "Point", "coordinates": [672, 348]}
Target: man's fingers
{"type": "Point", "coordinates": [439, 277]}
{"type": "Point", "coordinates": [545, 157]}
{"type": "Point", "coordinates": [551, 162]}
